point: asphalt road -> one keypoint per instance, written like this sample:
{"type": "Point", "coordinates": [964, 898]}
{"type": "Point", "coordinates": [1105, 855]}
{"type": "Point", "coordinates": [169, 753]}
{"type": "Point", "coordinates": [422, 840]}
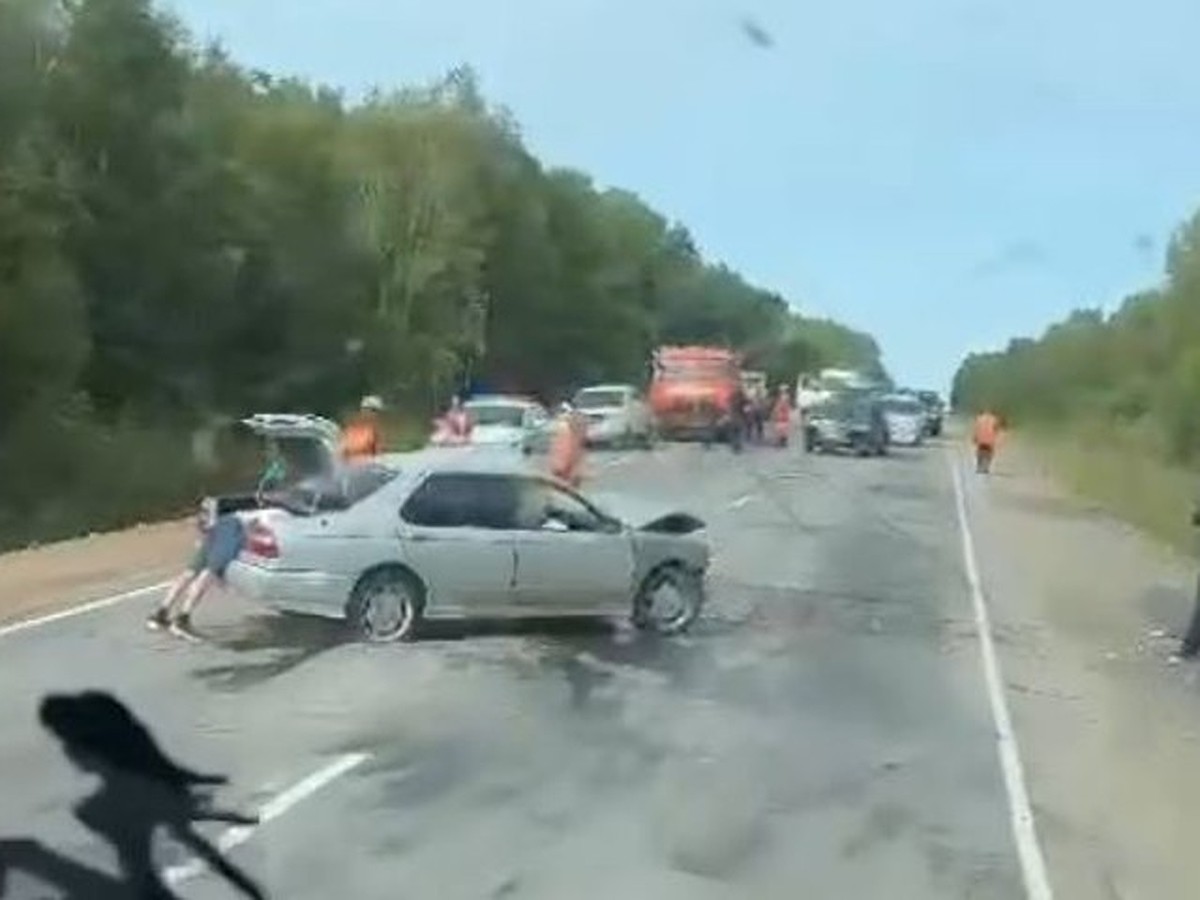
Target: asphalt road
{"type": "Point", "coordinates": [823, 732]}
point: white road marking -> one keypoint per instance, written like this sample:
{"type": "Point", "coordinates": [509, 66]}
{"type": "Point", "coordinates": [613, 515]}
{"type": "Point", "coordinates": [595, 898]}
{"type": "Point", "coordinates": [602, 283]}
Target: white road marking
{"type": "Point", "coordinates": [741, 501]}
{"type": "Point", "coordinates": [81, 609]}
{"type": "Point", "coordinates": [1029, 851]}
{"type": "Point", "coordinates": [237, 835]}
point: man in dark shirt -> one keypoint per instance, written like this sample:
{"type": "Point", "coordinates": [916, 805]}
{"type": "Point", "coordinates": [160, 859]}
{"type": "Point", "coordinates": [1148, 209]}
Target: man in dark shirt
{"type": "Point", "coordinates": [738, 411]}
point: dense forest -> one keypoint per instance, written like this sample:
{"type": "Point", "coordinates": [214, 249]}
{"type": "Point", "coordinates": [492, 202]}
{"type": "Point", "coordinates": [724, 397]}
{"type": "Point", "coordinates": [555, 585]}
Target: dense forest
{"type": "Point", "coordinates": [183, 241]}
{"type": "Point", "coordinates": [1136, 369]}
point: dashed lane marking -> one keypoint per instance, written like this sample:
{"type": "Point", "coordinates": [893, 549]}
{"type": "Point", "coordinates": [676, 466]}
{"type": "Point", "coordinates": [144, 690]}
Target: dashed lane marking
{"type": "Point", "coordinates": [272, 809]}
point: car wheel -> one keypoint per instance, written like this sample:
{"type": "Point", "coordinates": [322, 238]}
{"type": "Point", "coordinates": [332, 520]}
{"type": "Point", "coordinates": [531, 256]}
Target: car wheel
{"type": "Point", "coordinates": [385, 606]}
{"type": "Point", "coordinates": [668, 600]}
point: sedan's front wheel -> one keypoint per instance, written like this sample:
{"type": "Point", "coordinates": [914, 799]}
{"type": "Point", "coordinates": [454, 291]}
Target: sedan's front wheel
{"type": "Point", "coordinates": [385, 606]}
{"type": "Point", "coordinates": [669, 600]}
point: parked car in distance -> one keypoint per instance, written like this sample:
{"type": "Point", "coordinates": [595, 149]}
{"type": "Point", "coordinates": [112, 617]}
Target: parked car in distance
{"type": "Point", "coordinates": [466, 532]}
{"type": "Point", "coordinates": [935, 412]}
{"type": "Point", "coordinates": [906, 419]}
{"type": "Point", "coordinates": [504, 421]}
{"type": "Point", "coordinates": [847, 421]}
{"type": "Point", "coordinates": [616, 416]}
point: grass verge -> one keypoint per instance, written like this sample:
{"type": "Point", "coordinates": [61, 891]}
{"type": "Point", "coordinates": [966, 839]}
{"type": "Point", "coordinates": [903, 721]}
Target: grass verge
{"type": "Point", "coordinates": [1126, 474]}
{"type": "Point", "coordinates": [65, 477]}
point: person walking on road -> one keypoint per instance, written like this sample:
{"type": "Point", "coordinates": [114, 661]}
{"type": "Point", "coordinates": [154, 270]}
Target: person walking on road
{"type": "Point", "coordinates": [985, 435]}
{"type": "Point", "coordinates": [1189, 647]}
{"type": "Point", "coordinates": [362, 438]}
{"type": "Point", "coordinates": [458, 422]}
{"type": "Point", "coordinates": [453, 429]}
{"type": "Point", "coordinates": [781, 416]}
{"type": "Point", "coordinates": [567, 446]}
{"type": "Point", "coordinates": [738, 418]}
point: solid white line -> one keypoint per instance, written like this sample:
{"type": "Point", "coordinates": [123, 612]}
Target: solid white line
{"type": "Point", "coordinates": [741, 501]}
{"type": "Point", "coordinates": [237, 835]}
{"type": "Point", "coordinates": [1029, 851]}
{"type": "Point", "coordinates": [81, 609]}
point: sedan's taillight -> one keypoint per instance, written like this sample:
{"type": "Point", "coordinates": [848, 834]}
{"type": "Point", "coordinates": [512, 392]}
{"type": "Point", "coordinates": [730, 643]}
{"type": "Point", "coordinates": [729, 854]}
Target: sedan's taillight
{"type": "Point", "coordinates": [261, 540]}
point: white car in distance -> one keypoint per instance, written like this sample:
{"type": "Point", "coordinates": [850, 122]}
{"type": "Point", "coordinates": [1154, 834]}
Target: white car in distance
{"type": "Point", "coordinates": [616, 414]}
{"type": "Point", "coordinates": [906, 420]}
{"type": "Point", "coordinates": [502, 421]}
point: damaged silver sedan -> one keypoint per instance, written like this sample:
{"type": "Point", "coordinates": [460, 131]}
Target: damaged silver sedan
{"type": "Point", "coordinates": [465, 533]}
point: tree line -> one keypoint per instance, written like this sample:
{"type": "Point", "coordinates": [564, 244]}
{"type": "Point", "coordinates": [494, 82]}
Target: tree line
{"type": "Point", "coordinates": [1136, 368]}
{"type": "Point", "coordinates": [183, 240]}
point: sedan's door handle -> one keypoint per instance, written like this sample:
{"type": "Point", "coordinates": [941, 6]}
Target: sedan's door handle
{"type": "Point", "coordinates": [418, 537]}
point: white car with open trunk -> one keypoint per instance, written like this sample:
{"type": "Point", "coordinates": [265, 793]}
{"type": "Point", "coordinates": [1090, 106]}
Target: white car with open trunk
{"type": "Point", "coordinates": [476, 532]}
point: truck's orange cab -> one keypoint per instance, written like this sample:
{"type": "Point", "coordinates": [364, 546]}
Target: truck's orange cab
{"type": "Point", "coordinates": [692, 390]}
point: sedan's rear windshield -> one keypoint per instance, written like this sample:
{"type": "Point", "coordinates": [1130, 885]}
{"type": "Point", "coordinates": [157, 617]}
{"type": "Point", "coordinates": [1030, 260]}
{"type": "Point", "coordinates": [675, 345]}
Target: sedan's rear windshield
{"type": "Point", "coordinates": [339, 490]}
{"type": "Point", "coordinates": [599, 398]}
{"type": "Point", "coordinates": [904, 407]}
{"type": "Point", "coordinates": [496, 414]}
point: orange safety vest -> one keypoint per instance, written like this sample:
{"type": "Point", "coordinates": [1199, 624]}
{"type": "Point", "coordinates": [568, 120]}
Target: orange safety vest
{"type": "Point", "coordinates": [566, 452]}
{"type": "Point", "coordinates": [782, 411]}
{"type": "Point", "coordinates": [987, 430]}
{"type": "Point", "coordinates": [361, 440]}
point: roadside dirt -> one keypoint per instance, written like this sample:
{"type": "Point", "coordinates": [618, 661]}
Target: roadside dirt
{"type": "Point", "coordinates": [46, 579]}
{"type": "Point", "coordinates": [1087, 613]}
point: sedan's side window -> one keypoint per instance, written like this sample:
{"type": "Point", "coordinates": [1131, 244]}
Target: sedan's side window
{"type": "Point", "coordinates": [462, 500]}
{"type": "Point", "coordinates": [544, 506]}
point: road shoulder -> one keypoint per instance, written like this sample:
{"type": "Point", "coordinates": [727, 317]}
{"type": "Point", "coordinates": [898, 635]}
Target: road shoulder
{"type": "Point", "coordinates": [1109, 731]}
{"type": "Point", "coordinates": [49, 579]}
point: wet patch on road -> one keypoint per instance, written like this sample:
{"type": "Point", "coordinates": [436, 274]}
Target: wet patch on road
{"type": "Point", "coordinates": [273, 645]}
{"type": "Point", "coordinates": [906, 491]}
{"type": "Point", "coordinates": [1167, 604]}
{"type": "Point", "coordinates": [884, 823]}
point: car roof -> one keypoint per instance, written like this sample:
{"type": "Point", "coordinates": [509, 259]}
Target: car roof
{"type": "Point", "coordinates": [468, 459]}
{"type": "Point", "coordinates": [606, 387]}
{"type": "Point", "coordinates": [501, 399]}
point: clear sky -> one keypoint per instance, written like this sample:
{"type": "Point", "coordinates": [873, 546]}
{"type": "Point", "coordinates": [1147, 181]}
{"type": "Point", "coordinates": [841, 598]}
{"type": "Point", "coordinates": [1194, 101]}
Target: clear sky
{"type": "Point", "coordinates": [942, 173]}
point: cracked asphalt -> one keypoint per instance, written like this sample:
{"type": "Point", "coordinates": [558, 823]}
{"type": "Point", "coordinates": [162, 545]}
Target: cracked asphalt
{"type": "Point", "coordinates": [822, 732]}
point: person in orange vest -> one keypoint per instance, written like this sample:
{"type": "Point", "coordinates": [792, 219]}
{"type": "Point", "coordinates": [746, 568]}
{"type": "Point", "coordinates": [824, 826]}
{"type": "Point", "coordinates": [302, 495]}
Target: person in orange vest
{"type": "Point", "coordinates": [567, 446]}
{"type": "Point", "coordinates": [985, 435]}
{"type": "Point", "coordinates": [458, 422]}
{"type": "Point", "coordinates": [453, 427]}
{"type": "Point", "coordinates": [781, 415]}
{"type": "Point", "coordinates": [361, 438]}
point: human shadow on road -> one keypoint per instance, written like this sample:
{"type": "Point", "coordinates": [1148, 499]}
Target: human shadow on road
{"type": "Point", "coordinates": [141, 791]}
{"type": "Point", "coordinates": [274, 643]}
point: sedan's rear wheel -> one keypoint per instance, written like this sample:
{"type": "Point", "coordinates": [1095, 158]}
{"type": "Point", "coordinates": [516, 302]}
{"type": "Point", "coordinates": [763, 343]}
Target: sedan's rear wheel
{"type": "Point", "coordinates": [385, 606]}
{"type": "Point", "coordinates": [669, 600]}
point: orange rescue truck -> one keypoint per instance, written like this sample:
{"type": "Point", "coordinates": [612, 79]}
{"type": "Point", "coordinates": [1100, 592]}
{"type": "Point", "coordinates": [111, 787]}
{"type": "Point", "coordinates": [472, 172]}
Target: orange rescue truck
{"type": "Point", "coordinates": [692, 390]}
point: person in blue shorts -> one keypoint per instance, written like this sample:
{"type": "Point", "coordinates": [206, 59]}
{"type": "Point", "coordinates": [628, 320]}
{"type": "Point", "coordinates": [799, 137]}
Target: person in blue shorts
{"type": "Point", "coordinates": [220, 545]}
